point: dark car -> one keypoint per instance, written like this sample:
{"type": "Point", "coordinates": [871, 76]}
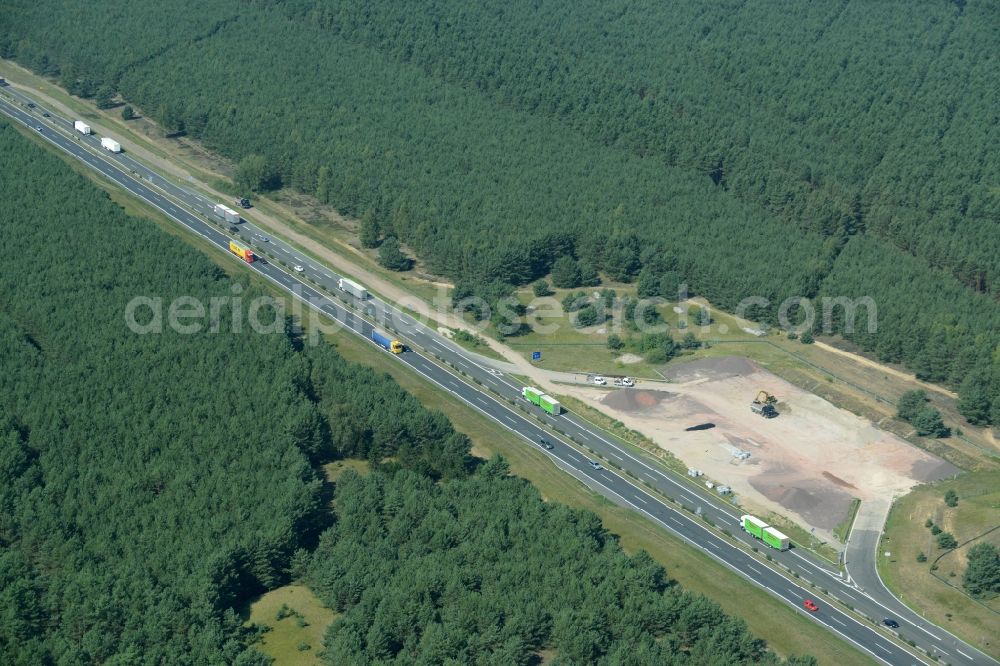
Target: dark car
{"type": "Point", "coordinates": [546, 444]}
{"type": "Point", "coordinates": [31, 105]}
{"type": "Point", "coordinates": [45, 114]}
{"type": "Point", "coordinates": [889, 622]}
{"type": "Point", "coordinates": [234, 229]}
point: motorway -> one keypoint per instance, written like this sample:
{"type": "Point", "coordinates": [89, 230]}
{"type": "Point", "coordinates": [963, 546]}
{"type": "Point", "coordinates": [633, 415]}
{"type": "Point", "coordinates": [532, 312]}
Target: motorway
{"type": "Point", "coordinates": [689, 509]}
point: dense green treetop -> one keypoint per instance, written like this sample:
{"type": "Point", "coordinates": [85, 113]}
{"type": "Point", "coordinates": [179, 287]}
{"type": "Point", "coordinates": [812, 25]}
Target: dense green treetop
{"type": "Point", "coordinates": [768, 149]}
{"type": "Point", "coordinates": [152, 484]}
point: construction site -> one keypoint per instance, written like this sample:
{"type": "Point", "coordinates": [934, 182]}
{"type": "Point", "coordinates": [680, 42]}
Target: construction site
{"type": "Point", "coordinates": [773, 446]}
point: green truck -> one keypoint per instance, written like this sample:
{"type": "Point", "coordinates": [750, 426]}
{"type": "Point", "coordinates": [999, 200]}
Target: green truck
{"type": "Point", "coordinates": [759, 529]}
{"type": "Point", "coordinates": [775, 539]}
{"type": "Point", "coordinates": [546, 402]}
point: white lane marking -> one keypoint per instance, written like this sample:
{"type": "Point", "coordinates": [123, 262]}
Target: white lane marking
{"type": "Point", "coordinates": [714, 545]}
{"type": "Point", "coordinates": [740, 572]}
{"type": "Point", "coordinates": [883, 648]}
{"type": "Point", "coordinates": [926, 632]}
{"type": "Point", "coordinates": [812, 564]}
{"type": "Point", "coordinates": [453, 383]}
{"type": "Point", "coordinates": [755, 569]}
{"type": "Point", "coordinates": [848, 594]}
{"type": "Point", "coordinates": [640, 499]}
{"type": "Point", "coordinates": [674, 520]}
{"type": "Point", "coordinates": [838, 621]}
{"type": "Point", "coordinates": [939, 650]}
{"type": "Point", "coordinates": [962, 653]}
{"type": "Point", "coordinates": [186, 224]}
{"type": "Point", "coordinates": [614, 455]}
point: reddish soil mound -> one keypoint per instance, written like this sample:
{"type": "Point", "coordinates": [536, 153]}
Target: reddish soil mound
{"type": "Point", "coordinates": [635, 400]}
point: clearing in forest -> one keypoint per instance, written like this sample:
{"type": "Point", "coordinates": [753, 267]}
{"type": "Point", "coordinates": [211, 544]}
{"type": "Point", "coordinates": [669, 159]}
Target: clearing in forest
{"type": "Point", "coordinates": [297, 621]}
{"type": "Point", "coordinates": [808, 463]}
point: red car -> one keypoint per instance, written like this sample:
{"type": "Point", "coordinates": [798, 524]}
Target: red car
{"type": "Point", "coordinates": [810, 605]}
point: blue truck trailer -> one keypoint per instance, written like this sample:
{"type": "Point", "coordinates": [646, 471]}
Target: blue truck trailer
{"type": "Point", "coordinates": [387, 343]}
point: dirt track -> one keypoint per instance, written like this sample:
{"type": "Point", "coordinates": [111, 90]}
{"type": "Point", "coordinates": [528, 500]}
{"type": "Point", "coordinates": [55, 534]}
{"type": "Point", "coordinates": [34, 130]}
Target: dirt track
{"type": "Point", "coordinates": [807, 463]}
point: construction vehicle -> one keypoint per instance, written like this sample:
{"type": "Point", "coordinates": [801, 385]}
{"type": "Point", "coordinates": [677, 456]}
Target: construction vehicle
{"type": "Point", "coordinates": [765, 398]}
{"type": "Point", "coordinates": [546, 402]}
{"type": "Point", "coordinates": [759, 529]}
{"type": "Point", "coordinates": [763, 404]}
{"type": "Point", "coordinates": [246, 254]}
{"type": "Point", "coordinates": [387, 343]}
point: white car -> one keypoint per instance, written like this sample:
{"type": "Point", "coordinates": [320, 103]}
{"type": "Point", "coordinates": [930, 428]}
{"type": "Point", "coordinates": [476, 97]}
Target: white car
{"type": "Point", "coordinates": [628, 381]}
{"type": "Point", "coordinates": [262, 238]}
{"type": "Point", "coordinates": [600, 381]}
{"type": "Point", "coordinates": [596, 465]}
{"type": "Point", "coordinates": [298, 269]}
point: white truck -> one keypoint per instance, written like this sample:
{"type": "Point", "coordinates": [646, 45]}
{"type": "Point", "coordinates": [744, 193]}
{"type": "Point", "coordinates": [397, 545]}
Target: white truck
{"type": "Point", "coordinates": [353, 288]}
{"type": "Point", "coordinates": [81, 127]}
{"type": "Point", "coordinates": [111, 144]}
{"type": "Point", "coordinates": [226, 213]}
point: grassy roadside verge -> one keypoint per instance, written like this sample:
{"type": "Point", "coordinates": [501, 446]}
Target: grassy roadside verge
{"type": "Point", "coordinates": [937, 594]}
{"type": "Point", "coordinates": [842, 530]}
{"type": "Point", "coordinates": [866, 391]}
{"type": "Point", "coordinates": [693, 569]}
{"type": "Point", "coordinates": [621, 432]}
{"type": "Point", "coordinates": [782, 626]}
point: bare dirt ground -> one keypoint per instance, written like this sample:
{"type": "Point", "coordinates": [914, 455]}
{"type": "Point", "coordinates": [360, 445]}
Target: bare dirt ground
{"type": "Point", "coordinates": [807, 464]}
{"type": "Point", "coordinates": [629, 359]}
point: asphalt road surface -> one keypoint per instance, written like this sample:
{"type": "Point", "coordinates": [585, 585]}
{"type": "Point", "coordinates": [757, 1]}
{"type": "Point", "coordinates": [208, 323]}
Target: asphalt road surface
{"type": "Point", "coordinates": [498, 403]}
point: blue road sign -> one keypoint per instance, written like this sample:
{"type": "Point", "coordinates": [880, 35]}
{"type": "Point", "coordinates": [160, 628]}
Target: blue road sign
{"type": "Point", "coordinates": [536, 356]}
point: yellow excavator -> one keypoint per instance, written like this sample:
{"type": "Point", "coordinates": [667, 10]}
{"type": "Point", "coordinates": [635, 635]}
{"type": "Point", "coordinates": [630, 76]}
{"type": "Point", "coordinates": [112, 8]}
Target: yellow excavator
{"type": "Point", "coordinates": [763, 404]}
{"type": "Point", "coordinates": [765, 398]}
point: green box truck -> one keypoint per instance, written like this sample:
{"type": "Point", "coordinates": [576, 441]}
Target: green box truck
{"type": "Point", "coordinates": [530, 394]}
{"type": "Point", "coordinates": [759, 529]}
{"type": "Point", "coordinates": [753, 526]}
{"type": "Point", "coordinates": [775, 539]}
{"type": "Point", "coordinates": [546, 402]}
{"type": "Point", "coordinates": [549, 404]}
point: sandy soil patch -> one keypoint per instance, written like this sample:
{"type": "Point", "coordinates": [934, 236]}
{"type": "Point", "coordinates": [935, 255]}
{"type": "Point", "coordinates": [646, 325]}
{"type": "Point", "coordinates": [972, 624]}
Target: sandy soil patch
{"type": "Point", "coordinates": [806, 464]}
{"type": "Point", "coordinates": [629, 359]}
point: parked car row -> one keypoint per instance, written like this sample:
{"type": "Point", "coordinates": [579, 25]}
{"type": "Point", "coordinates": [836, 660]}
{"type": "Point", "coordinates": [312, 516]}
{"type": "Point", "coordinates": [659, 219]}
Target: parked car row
{"type": "Point", "coordinates": [618, 381]}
